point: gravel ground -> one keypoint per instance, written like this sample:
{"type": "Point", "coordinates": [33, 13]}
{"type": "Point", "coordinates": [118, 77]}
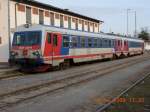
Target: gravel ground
{"type": "Point", "coordinates": [136, 100]}
{"type": "Point", "coordinates": [86, 96]}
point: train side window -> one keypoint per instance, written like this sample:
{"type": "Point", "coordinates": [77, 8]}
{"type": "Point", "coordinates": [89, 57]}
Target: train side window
{"type": "Point", "coordinates": [106, 43]}
{"type": "Point", "coordinates": [55, 42]}
{"type": "Point", "coordinates": [49, 38]}
{"type": "Point", "coordinates": [89, 42]}
{"type": "Point", "coordinates": [109, 43]}
{"type": "Point", "coordinates": [113, 43]}
{"type": "Point", "coordinates": [82, 42]}
{"type": "Point", "coordinates": [103, 43]}
{"type": "Point", "coordinates": [100, 43]}
{"type": "Point", "coordinates": [65, 41]}
{"type": "Point", "coordinates": [74, 42]}
{"type": "Point", "coordinates": [95, 42]}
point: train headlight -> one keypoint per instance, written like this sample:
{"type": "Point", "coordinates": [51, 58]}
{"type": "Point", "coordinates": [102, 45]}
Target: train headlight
{"type": "Point", "coordinates": [36, 53]}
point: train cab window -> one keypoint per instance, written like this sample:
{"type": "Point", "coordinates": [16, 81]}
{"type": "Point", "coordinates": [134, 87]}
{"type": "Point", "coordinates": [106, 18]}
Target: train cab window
{"type": "Point", "coordinates": [82, 42]}
{"type": "Point", "coordinates": [55, 42]}
{"type": "Point", "coordinates": [65, 41]}
{"type": "Point", "coordinates": [49, 38]}
{"type": "Point", "coordinates": [89, 42]}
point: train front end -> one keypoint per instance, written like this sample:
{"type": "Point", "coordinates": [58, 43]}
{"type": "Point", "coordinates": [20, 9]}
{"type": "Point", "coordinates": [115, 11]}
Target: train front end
{"type": "Point", "coordinates": [26, 48]}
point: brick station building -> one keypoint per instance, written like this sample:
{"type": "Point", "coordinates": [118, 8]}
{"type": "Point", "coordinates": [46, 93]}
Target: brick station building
{"type": "Point", "coordinates": [21, 12]}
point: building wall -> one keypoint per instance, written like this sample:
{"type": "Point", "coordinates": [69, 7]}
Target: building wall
{"type": "Point", "coordinates": [4, 36]}
{"type": "Point", "coordinates": [65, 21]}
{"type": "Point", "coordinates": [21, 17]}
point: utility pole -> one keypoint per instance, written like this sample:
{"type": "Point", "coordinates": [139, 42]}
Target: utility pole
{"type": "Point", "coordinates": [128, 21]}
{"type": "Point", "coordinates": [135, 24]}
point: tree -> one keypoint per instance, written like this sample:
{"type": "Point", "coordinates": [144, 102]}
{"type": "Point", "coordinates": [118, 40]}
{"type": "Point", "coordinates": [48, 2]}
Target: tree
{"type": "Point", "coordinates": [144, 34]}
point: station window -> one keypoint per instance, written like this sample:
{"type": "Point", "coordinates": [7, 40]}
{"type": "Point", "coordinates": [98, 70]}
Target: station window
{"type": "Point", "coordinates": [76, 24]}
{"type": "Point", "coordinates": [69, 22]}
{"type": "Point", "coordinates": [73, 20]}
{"type": "Point", "coordinates": [47, 14]}
{"type": "Point", "coordinates": [35, 11]}
{"type": "Point", "coordinates": [93, 27]}
{"type": "Point", "coordinates": [88, 27]}
{"type": "Point", "coordinates": [86, 23]}
{"type": "Point", "coordinates": [61, 21]}
{"type": "Point", "coordinates": [82, 25]}
{"type": "Point", "coordinates": [66, 18]}
{"type": "Point", "coordinates": [52, 18]}
{"type": "Point", "coordinates": [82, 42]}
{"type": "Point", "coordinates": [89, 42]}
{"type": "Point", "coordinates": [65, 41]}
{"type": "Point", "coordinates": [21, 7]}
{"type": "Point", "coordinates": [80, 21]}
{"type": "Point", "coordinates": [41, 17]}
{"type": "Point", "coordinates": [28, 15]}
{"type": "Point", "coordinates": [57, 16]}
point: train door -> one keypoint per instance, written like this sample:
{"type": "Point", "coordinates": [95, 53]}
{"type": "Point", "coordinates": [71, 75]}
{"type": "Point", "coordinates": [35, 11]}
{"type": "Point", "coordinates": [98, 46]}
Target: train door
{"type": "Point", "coordinates": [118, 45]}
{"type": "Point", "coordinates": [126, 48]}
{"type": "Point", "coordinates": [52, 45]}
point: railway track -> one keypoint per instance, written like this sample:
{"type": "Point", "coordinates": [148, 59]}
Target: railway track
{"type": "Point", "coordinates": [18, 96]}
{"type": "Point", "coordinates": [13, 74]}
{"type": "Point", "coordinates": [16, 74]}
{"type": "Point", "coordinates": [106, 106]}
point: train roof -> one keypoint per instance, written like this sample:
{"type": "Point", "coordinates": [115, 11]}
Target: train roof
{"type": "Point", "coordinates": [66, 31]}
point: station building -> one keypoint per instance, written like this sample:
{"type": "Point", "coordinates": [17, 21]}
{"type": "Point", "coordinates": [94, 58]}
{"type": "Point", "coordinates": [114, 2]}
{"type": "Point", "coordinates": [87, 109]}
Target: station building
{"type": "Point", "coordinates": [14, 13]}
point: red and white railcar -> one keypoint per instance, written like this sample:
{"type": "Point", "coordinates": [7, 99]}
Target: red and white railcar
{"type": "Point", "coordinates": [44, 45]}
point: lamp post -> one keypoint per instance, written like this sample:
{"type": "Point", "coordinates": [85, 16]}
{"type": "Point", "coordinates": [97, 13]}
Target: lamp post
{"type": "Point", "coordinates": [135, 17]}
{"type": "Point", "coordinates": [135, 23]}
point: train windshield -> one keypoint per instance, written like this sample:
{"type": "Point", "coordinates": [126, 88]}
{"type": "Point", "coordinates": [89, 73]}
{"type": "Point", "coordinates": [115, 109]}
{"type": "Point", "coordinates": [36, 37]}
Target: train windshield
{"type": "Point", "coordinates": [27, 38]}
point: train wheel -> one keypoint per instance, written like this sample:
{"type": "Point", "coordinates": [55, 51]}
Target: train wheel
{"type": "Point", "coordinates": [114, 57]}
{"type": "Point", "coordinates": [64, 65]}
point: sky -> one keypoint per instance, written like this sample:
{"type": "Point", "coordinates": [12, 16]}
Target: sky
{"type": "Point", "coordinates": [112, 12]}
